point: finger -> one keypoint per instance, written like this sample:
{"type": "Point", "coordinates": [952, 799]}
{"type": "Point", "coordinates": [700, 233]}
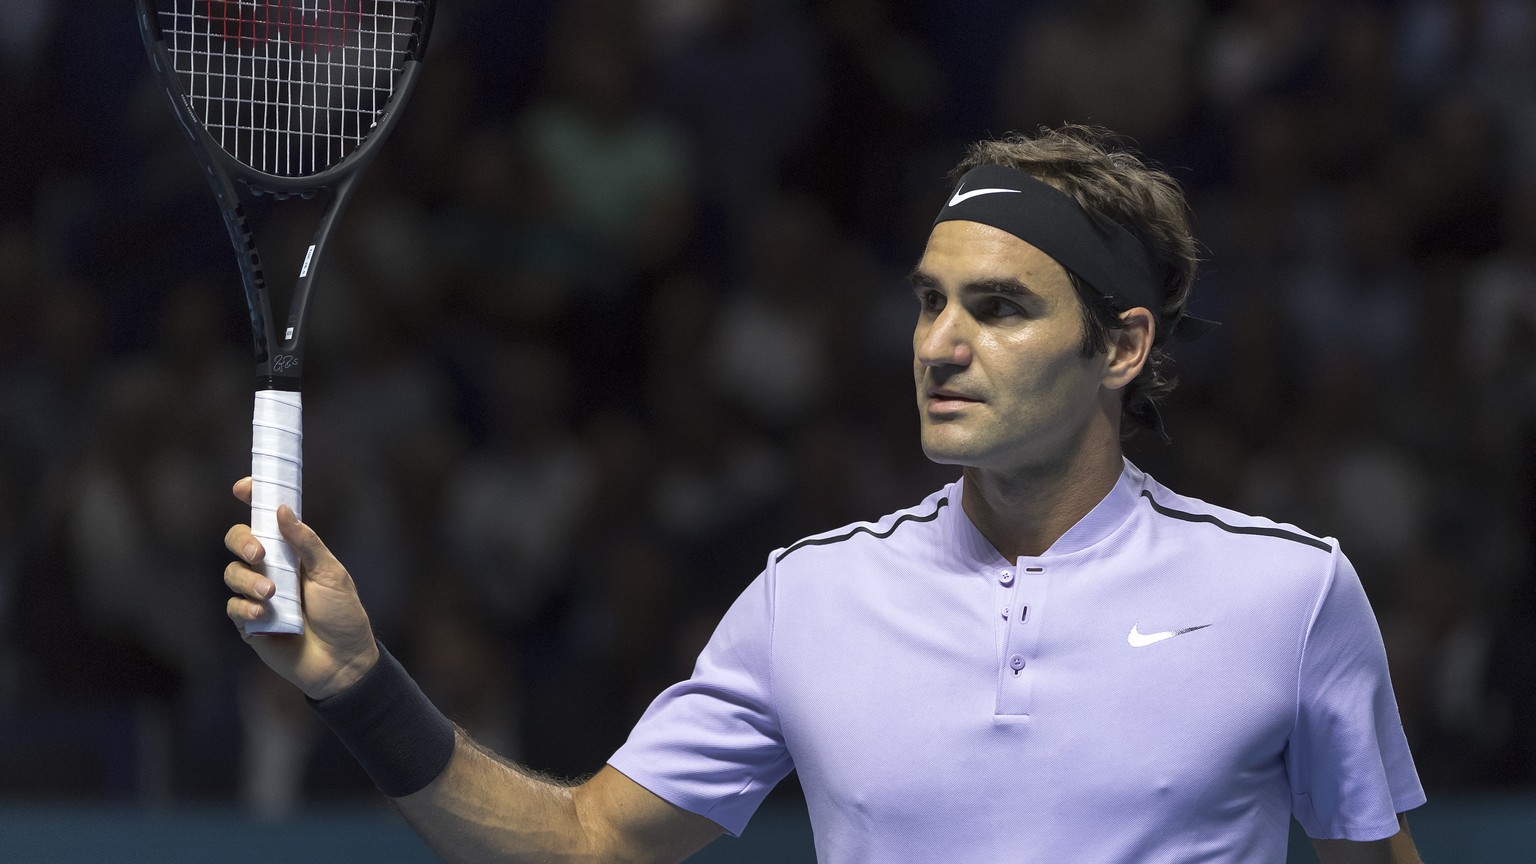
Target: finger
{"type": "Point", "coordinates": [242, 489]}
{"type": "Point", "coordinates": [242, 611]}
{"type": "Point", "coordinates": [239, 540]}
{"type": "Point", "coordinates": [311, 550]}
{"type": "Point", "coordinates": [247, 582]}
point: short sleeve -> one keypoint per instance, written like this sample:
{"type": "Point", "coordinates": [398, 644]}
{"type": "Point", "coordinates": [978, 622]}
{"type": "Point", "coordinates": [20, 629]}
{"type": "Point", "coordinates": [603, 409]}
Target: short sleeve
{"type": "Point", "coordinates": [712, 744]}
{"type": "Point", "coordinates": [1348, 760]}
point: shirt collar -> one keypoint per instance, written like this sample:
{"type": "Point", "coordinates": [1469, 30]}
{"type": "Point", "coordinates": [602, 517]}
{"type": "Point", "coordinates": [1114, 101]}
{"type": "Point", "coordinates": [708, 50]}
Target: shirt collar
{"type": "Point", "coordinates": [977, 552]}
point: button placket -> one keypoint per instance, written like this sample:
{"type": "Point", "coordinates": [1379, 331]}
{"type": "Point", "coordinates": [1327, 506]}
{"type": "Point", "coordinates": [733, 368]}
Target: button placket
{"type": "Point", "coordinates": [1015, 677]}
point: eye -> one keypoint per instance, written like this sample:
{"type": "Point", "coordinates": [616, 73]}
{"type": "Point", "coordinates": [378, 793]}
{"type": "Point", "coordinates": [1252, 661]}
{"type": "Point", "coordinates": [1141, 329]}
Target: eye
{"type": "Point", "coordinates": [998, 307]}
{"type": "Point", "coordinates": [929, 300]}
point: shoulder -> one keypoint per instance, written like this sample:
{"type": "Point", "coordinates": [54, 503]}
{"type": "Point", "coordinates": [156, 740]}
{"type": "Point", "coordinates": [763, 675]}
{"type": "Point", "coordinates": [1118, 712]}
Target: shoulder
{"type": "Point", "coordinates": [1201, 521]}
{"type": "Point", "coordinates": [901, 532]}
{"type": "Point", "coordinates": [1245, 561]}
{"type": "Point", "coordinates": [1275, 562]}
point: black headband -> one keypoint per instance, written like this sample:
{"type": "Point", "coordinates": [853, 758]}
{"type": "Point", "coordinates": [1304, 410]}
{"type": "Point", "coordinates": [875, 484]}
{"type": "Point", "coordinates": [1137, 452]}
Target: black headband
{"type": "Point", "coordinates": [1099, 252]}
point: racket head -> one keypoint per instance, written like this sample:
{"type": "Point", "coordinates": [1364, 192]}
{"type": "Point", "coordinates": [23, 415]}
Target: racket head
{"type": "Point", "coordinates": [287, 96]}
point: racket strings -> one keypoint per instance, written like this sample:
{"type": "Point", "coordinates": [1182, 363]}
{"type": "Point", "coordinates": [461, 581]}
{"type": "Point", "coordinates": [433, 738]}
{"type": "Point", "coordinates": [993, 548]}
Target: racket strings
{"type": "Point", "coordinates": [289, 87]}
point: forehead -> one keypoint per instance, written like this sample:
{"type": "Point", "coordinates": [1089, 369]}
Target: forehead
{"type": "Point", "coordinates": [960, 252]}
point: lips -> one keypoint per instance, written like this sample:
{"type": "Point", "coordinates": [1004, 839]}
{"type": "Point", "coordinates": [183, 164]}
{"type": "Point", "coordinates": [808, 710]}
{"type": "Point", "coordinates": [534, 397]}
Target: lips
{"type": "Point", "coordinates": [942, 399]}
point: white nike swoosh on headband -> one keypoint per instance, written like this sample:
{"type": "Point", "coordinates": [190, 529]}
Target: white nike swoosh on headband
{"type": "Point", "coordinates": [961, 196]}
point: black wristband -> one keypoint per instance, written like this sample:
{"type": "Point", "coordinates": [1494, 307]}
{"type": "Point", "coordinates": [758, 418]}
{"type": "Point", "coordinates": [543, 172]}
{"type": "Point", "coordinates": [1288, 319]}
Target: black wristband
{"type": "Point", "coordinates": [391, 727]}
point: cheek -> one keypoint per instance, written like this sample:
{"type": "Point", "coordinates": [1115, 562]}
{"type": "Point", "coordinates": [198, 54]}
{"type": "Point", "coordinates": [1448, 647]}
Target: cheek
{"type": "Point", "coordinates": [1045, 363]}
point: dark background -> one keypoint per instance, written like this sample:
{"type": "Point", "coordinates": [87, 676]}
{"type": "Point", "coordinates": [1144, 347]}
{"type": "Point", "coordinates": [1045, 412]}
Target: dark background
{"type": "Point", "coordinates": [621, 309]}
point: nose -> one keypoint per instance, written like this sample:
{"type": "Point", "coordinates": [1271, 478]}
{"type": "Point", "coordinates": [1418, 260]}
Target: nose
{"type": "Point", "coordinates": [943, 339]}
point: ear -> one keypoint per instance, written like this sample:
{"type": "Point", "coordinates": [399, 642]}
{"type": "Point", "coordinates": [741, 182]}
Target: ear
{"type": "Point", "coordinates": [1129, 347]}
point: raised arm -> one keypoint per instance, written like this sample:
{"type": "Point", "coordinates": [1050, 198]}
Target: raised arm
{"type": "Point", "coordinates": [484, 808]}
{"type": "Point", "coordinates": [467, 803]}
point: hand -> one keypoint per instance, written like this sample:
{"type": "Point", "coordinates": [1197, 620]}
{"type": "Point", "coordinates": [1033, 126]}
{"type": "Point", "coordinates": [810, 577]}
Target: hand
{"type": "Point", "coordinates": [337, 645]}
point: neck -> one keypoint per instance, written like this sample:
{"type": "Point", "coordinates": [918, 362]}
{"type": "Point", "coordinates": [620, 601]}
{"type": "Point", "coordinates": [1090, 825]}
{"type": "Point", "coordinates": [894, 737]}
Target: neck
{"type": "Point", "coordinates": [1025, 511]}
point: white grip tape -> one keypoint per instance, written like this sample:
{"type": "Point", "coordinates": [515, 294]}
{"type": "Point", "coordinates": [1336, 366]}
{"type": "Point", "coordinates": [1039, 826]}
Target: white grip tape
{"type": "Point", "coordinates": [277, 477]}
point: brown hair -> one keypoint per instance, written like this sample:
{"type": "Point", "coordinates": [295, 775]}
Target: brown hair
{"type": "Point", "coordinates": [1109, 181]}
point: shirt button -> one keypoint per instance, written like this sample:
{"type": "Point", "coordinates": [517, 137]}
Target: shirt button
{"type": "Point", "coordinates": [1005, 577]}
{"type": "Point", "coordinates": [1016, 662]}
{"type": "Point", "coordinates": [1005, 613]}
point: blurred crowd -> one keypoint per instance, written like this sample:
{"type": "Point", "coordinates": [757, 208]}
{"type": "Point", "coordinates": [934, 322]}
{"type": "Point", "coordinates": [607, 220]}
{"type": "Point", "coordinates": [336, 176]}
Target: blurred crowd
{"type": "Point", "coordinates": [621, 308]}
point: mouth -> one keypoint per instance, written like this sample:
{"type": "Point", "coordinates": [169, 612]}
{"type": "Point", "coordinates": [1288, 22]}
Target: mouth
{"type": "Point", "coordinates": [949, 400]}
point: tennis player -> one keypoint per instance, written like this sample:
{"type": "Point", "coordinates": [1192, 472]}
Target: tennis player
{"type": "Point", "coordinates": [1053, 659]}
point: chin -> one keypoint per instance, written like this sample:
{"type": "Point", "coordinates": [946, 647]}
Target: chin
{"type": "Point", "coordinates": [949, 452]}
{"type": "Point", "coordinates": [939, 458]}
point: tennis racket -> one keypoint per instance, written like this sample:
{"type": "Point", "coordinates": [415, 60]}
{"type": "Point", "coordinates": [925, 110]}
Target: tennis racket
{"type": "Point", "coordinates": [283, 98]}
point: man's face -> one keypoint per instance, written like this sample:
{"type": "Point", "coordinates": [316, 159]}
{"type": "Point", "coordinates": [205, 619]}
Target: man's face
{"type": "Point", "coordinates": [1002, 384]}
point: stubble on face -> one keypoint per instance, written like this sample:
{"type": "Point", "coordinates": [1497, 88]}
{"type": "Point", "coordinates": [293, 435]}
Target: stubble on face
{"type": "Point", "coordinates": [1002, 385]}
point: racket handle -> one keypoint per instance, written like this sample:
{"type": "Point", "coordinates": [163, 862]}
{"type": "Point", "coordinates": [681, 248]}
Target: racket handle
{"type": "Point", "coordinates": [277, 477]}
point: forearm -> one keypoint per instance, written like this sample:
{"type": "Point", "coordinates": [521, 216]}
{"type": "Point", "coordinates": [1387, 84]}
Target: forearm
{"type": "Point", "coordinates": [483, 808]}
{"type": "Point", "coordinates": [469, 804]}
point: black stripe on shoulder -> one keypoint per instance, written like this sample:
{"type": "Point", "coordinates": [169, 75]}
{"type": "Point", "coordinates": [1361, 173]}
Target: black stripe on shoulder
{"type": "Point", "coordinates": [865, 529]}
{"type": "Point", "coordinates": [1236, 529]}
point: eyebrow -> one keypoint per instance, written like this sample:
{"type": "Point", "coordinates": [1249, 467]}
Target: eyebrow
{"type": "Point", "coordinates": [1007, 285]}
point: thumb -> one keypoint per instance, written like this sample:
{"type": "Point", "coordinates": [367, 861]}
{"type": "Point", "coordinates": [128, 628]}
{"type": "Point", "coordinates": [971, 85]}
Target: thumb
{"type": "Point", "coordinates": [311, 550]}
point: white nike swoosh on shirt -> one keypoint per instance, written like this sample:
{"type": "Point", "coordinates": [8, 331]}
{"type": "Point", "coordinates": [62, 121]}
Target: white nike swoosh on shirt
{"type": "Point", "coordinates": [1139, 639]}
{"type": "Point", "coordinates": [961, 196]}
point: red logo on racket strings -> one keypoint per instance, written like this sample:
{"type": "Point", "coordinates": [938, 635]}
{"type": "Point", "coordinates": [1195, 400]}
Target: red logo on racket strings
{"type": "Point", "coordinates": [309, 24]}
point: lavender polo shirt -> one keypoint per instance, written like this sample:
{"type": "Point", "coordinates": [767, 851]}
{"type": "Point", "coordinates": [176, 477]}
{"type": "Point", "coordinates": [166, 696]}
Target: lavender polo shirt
{"type": "Point", "coordinates": [1170, 682]}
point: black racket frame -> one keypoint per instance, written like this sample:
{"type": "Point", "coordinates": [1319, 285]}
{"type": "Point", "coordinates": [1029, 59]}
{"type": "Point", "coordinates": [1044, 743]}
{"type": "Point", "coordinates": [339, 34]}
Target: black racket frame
{"type": "Point", "coordinates": [279, 362]}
